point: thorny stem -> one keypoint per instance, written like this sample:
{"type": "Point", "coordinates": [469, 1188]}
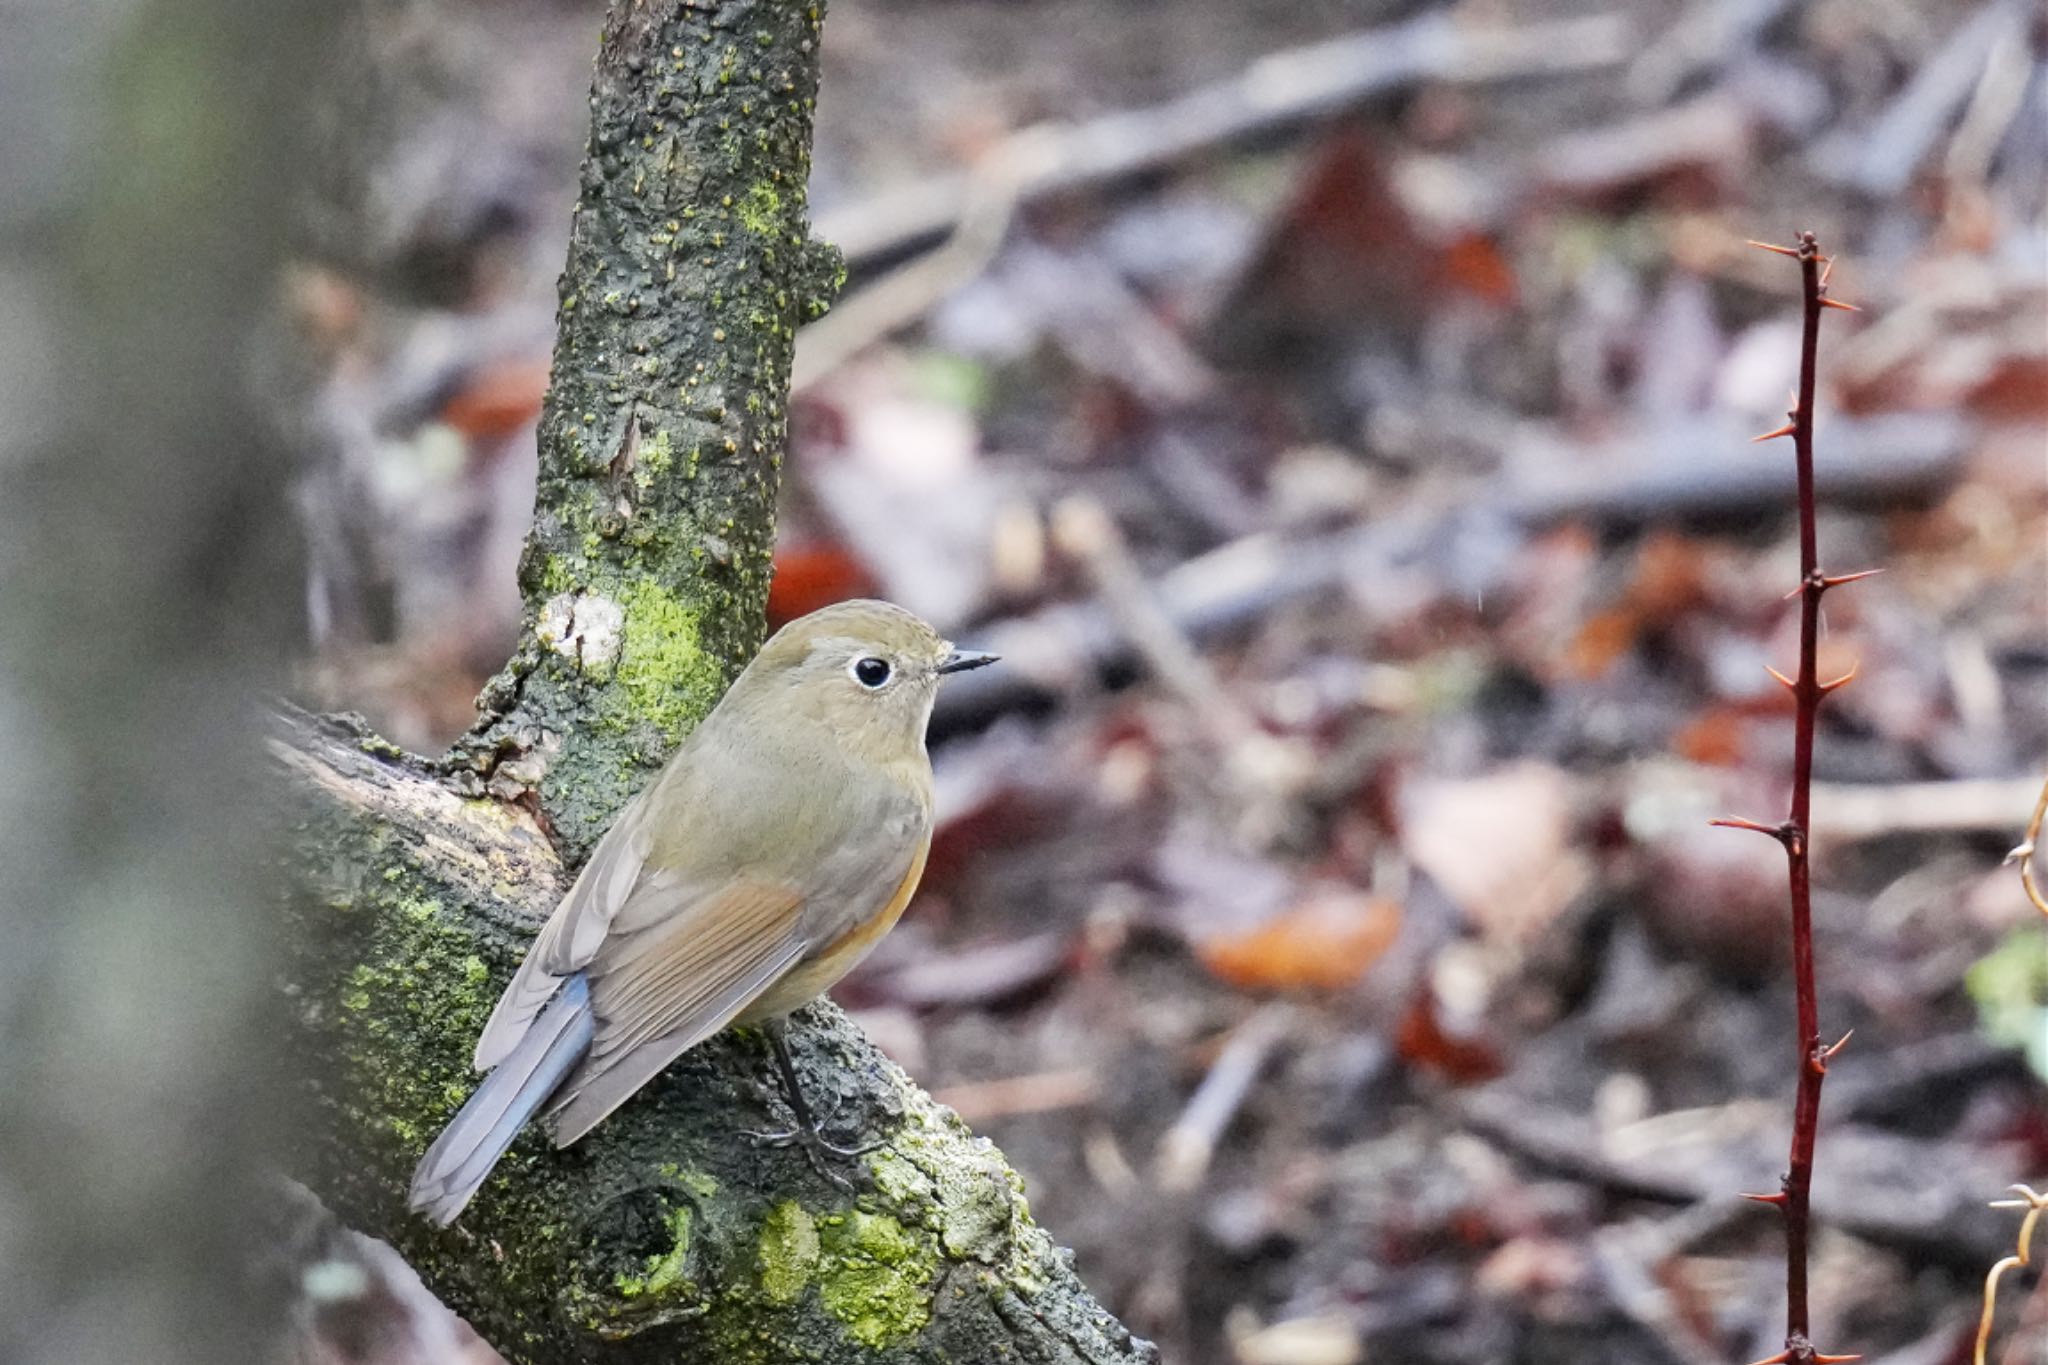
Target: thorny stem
{"type": "Point", "coordinates": [1806, 696]}
{"type": "Point", "coordinates": [2023, 1256]}
{"type": "Point", "coordinates": [1807, 690]}
{"type": "Point", "coordinates": [2024, 854]}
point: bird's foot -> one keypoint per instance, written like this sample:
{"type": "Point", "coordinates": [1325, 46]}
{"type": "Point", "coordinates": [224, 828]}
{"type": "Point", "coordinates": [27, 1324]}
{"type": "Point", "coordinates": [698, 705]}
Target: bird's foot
{"type": "Point", "coordinates": [816, 1148]}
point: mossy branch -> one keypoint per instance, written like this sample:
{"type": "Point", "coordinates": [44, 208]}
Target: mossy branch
{"type": "Point", "coordinates": [666, 1234]}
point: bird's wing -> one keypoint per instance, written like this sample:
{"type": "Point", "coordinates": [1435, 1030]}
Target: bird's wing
{"type": "Point", "coordinates": [678, 967]}
{"type": "Point", "coordinates": [661, 991]}
{"type": "Point", "coordinates": [572, 935]}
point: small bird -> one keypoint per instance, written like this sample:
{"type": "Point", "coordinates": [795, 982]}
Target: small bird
{"type": "Point", "coordinates": [769, 856]}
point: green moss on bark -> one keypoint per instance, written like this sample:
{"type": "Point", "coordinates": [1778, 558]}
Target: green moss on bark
{"type": "Point", "coordinates": [789, 1252]}
{"type": "Point", "coordinates": [876, 1276]}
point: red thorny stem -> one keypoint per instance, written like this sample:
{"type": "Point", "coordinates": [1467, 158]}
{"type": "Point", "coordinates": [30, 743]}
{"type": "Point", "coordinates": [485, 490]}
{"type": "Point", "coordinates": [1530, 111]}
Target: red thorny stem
{"type": "Point", "coordinates": [1793, 1199]}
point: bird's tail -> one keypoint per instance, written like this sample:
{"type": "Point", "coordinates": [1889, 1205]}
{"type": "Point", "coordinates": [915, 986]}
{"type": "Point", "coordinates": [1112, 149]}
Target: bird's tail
{"type": "Point", "coordinates": [463, 1155]}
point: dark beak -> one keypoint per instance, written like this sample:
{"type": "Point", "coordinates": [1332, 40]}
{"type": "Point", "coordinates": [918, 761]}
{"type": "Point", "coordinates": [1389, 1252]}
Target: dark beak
{"type": "Point", "coordinates": [960, 660]}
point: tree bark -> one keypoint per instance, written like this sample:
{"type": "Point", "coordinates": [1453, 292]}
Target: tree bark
{"type": "Point", "coordinates": [667, 1234]}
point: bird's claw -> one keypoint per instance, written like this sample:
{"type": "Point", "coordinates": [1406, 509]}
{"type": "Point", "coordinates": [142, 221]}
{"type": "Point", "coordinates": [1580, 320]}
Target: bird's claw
{"type": "Point", "coordinates": [816, 1147]}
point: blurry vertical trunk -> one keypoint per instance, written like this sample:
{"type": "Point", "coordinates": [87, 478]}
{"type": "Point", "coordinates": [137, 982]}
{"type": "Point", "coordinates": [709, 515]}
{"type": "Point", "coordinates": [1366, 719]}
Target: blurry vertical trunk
{"type": "Point", "coordinates": [144, 586]}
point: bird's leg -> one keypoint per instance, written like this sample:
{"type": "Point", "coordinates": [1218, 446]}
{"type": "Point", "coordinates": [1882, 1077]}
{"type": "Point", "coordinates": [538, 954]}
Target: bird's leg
{"type": "Point", "coordinates": [805, 1134]}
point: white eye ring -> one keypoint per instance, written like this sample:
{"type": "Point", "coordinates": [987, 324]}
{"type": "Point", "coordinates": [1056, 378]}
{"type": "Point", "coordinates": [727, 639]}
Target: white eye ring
{"type": "Point", "coordinates": [871, 671]}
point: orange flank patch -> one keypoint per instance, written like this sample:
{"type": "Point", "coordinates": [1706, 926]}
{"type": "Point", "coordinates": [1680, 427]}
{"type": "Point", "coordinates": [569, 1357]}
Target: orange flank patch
{"type": "Point", "coordinates": [856, 941]}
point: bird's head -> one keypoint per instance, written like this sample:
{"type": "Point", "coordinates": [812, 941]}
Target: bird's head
{"type": "Point", "coordinates": [868, 670]}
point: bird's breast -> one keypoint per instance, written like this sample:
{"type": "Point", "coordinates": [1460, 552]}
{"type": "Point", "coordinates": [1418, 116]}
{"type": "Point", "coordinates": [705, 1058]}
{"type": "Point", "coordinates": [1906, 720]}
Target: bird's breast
{"type": "Point", "coordinates": [819, 970]}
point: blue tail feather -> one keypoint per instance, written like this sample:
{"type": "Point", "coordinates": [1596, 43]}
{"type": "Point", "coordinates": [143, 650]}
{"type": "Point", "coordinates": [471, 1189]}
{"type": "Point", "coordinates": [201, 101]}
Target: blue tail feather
{"type": "Point", "coordinates": [460, 1159]}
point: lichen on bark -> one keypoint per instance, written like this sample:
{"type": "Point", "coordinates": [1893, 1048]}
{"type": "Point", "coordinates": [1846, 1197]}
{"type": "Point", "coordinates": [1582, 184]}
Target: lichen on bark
{"type": "Point", "coordinates": [666, 1234]}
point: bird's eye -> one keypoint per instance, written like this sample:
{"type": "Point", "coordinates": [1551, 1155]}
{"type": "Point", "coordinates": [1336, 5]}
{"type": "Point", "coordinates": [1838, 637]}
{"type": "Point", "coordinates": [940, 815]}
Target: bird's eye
{"type": "Point", "coordinates": [871, 672]}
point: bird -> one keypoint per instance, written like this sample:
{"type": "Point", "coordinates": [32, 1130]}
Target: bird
{"type": "Point", "coordinates": [771, 853]}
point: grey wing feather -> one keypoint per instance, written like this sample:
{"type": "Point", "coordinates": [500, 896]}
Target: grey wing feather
{"type": "Point", "coordinates": [572, 935]}
{"type": "Point", "coordinates": [660, 992]}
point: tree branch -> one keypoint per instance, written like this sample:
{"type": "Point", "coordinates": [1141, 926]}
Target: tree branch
{"type": "Point", "coordinates": [690, 268]}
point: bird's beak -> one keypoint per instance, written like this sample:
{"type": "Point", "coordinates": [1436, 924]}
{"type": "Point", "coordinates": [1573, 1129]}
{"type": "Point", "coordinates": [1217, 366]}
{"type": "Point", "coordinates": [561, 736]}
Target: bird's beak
{"type": "Point", "coordinates": [960, 660]}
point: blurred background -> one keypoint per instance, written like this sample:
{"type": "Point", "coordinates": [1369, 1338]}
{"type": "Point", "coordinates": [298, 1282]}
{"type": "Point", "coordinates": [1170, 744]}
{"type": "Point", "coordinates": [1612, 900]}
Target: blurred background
{"type": "Point", "coordinates": [1337, 414]}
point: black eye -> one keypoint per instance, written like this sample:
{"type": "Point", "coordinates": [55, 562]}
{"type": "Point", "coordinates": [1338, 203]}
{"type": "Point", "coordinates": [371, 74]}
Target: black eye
{"type": "Point", "coordinates": [871, 672]}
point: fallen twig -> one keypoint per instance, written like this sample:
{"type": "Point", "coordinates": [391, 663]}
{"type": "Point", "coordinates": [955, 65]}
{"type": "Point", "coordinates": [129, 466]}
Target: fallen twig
{"type": "Point", "coordinates": [1919, 1195]}
{"type": "Point", "coordinates": [1188, 1147]}
{"type": "Point", "coordinates": [1047, 652]}
{"type": "Point", "coordinates": [1273, 94]}
{"type": "Point", "coordinates": [1999, 98]}
{"type": "Point", "coordinates": [907, 293]}
{"type": "Point", "coordinates": [1706, 37]}
{"type": "Point", "coordinates": [1038, 1093]}
{"type": "Point", "coordinates": [1907, 131]}
{"type": "Point", "coordinates": [1260, 773]}
{"type": "Point", "coordinates": [1083, 529]}
{"type": "Point", "coordinates": [1636, 1261]}
{"type": "Point", "coordinates": [1858, 811]}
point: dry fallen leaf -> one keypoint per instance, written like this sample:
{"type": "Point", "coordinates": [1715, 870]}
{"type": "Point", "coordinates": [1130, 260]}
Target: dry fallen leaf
{"type": "Point", "coordinates": [1327, 942]}
{"type": "Point", "coordinates": [1499, 845]}
{"type": "Point", "coordinates": [811, 576]}
{"type": "Point", "coordinates": [1422, 1041]}
{"type": "Point", "coordinates": [498, 399]}
{"type": "Point", "coordinates": [1327, 1339]}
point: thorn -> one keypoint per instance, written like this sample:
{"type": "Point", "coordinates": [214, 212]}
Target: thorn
{"type": "Point", "coordinates": [1778, 832]}
{"type": "Point", "coordinates": [1847, 308]}
{"type": "Point", "coordinates": [1766, 246]}
{"type": "Point", "coordinates": [1842, 681]}
{"type": "Point", "coordinates": [1820, 1359]}
{"type": "Point", "coordinates": [1773, 435]}
{"type": "Point", "coordinates": [1774, 1200]}
{"type": "Point", "coordinates": [1827, 268]}
{"type": "Point", "coordinates": [1839, 579]}
{"type": "Point", "coordinates": [1790, 686]}
{"type": "Point", "coordinates": [1828, 1053]}
{"type": "Point", "coordinates": [2029, 1198]}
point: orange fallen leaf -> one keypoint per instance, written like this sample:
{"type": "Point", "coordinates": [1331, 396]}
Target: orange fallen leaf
{"type": "Point", "coordinates": [1603, 639]}
{"type": "Point", "coordinates": [1422, 1041]}
{"type": "Point", "coordinates": [1326, 943]}
{"type": "Point", "coordinates": [811, 576]}
{"type": "Point", "coordinates": [498, 399]}
{"type": "Point", "coordinates": [1714, 737]}
{"type": "Point", "coordinates": [1475, 264]}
